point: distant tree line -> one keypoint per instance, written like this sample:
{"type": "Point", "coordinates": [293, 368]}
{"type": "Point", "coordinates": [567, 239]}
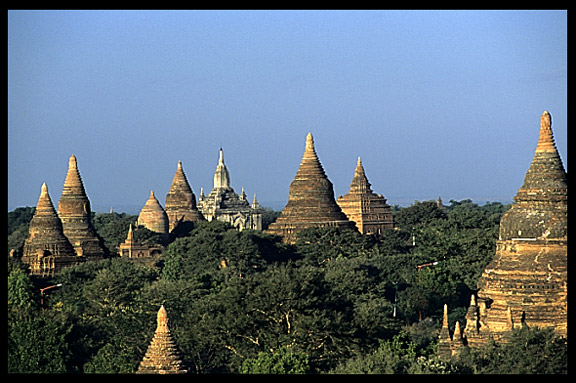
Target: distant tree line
{"type": "Point", "coordinates": [244, 302]}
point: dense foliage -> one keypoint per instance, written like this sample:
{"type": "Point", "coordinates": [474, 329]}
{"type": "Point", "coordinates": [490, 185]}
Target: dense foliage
{"type": "Point", "coordinates": [244, 302]}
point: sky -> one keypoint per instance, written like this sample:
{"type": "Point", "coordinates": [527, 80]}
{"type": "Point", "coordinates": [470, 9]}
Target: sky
{"type": "Point", "coordinates": [436, 103]}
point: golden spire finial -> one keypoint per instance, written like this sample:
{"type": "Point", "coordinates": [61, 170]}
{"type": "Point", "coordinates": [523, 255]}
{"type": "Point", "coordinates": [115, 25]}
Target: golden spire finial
{"type": "Point", "coordinates": [162, 320]}
{"type": "Point", "coordinates": [72, 162]}
{"type": "Point", "coordinates": [309, 151]}
{"type": "Point", "coordinates": [221, 157]}
{"type": "Point", "coordinates": [309, 141]}
{"type": "Point", "coordinates": [546, 139]}
{"type": "Point", "coordinates": [130, 236]}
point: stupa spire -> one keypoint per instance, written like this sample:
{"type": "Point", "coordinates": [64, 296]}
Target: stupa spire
{"type": "Point", "coordinates": [360, 182]}
{"type": "Point", "coordinates": [369, 211]}
{"type": "Point", "coordinates": [546, 140]}
{"type": "Point", "coordinates": [75, 213]}
{"type": "Point", "coordinates": [73, 183]}
{"type": "Point", "coordinates": [444, 350]}
{"type": "Point", "coordinates": [311, 201]}
{"type": "Point", "coordinates": [181, 201]}
{"type": "Point", "coordinates": [221, 176]}
{"type": "Point", "coordinates": [44, 205]}
{"type": "Point", "coordinates": [544, 193]}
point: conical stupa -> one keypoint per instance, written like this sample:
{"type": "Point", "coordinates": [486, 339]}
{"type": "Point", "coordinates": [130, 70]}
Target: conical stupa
{"type": "Point", "coordinates": [526, 283]}
{"type": "Point", "coordinates": [152, 216]}
{"type": "Point", "coordinates": [181, 201]}
{"type": "Point", "coordinates": [75, 214]}
{"type": "Point", "coordinates": [361, 205]}
{"type": "Point", "coordinates": [162, 356]}
{"type": "Point", "coordinates": [311, 200]}
{"type": "Point", "coordinates": [47, 249]}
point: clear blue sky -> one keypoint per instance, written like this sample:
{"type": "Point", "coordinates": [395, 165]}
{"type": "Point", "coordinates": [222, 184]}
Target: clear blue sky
{"type": "Point", "coordinates": [437, 103]}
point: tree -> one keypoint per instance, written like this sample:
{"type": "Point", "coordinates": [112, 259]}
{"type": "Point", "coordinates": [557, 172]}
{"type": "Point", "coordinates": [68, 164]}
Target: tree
{"type": "Point", "coordinates": [527, 351]}
{"type": "Point", "coordinates": [113, 228]}
{"type": "Point", "coordinates": [420, 213]}
{"type": "Point", "coordinates": [115, 357]}
{"type": "Point", "coordinates": [20, 290]}
{"type": "Point", "coordinates": [18, 223]}
{"type": "Point", "coordinates": [36, 344]}
{"type": "Point", "coordinates": [393, 356]}
{"type": "Point", "coordinates": [283, 361]}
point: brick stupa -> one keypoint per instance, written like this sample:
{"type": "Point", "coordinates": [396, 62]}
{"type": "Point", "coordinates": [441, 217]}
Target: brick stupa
{"type": "Point", "coordinates": [367, 209]}
{"type": "Point", "coordinates": [526, 283]}
{"type": "Point", "coordinates": [153, 216]}
{"type": "Point", "coordinates": [180, 201]}
{"type": "Point", "coordinates": [75, 213]}
{"type": "Point", "coordinates": [311, 200]}
{"type": "Point", "coordinates": [47, 250]}
{"type": "Point", "coordinates": [162, 357]}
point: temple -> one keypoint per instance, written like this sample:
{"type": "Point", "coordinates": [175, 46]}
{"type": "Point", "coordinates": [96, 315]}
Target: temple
{"type": "Point", "coordinates": [180, 204]}
{"type": "Point", "coordinates": [369, 211]}
{"type": "Point", "coordinates": [75, 213]}
{"type": "Point", "coordinates": [162, 357]}
{"type": "Point", "coordinates": [225, 205]}
{"type": "Point", "coordinates": [47, 250]}
{"type": "Point", "coordinates": [526, 282]}
{"type": "Point", "coordinates": [311, 200]}
{"type": "Point", "coordinates": [152, 216]}
{"type": "Point", "coordinates": [131, 249]}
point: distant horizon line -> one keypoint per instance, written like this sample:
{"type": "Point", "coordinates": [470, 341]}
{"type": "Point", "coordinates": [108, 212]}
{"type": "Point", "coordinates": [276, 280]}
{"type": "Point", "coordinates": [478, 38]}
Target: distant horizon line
{"type": "Point", "coordinates": [278, 205]}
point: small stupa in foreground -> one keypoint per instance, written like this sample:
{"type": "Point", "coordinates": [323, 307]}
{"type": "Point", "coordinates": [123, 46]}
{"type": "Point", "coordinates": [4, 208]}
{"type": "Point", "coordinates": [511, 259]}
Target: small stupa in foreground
{"type": "Point", "coordinates": [162, 357]}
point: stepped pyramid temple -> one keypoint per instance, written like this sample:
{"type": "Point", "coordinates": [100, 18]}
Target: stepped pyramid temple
{"type": "Point", "coordinates": [311, 200]}
{"type": "Point", "coordinates": [47, 250]}
{"type": "Point", "coordinates": [180, 201]}
{"type": "Point", "coordinates": [162, 356]}
{"type": "Point", "coordinates": [75, 213]}
{"type": "Point", "coordinates": [526, 282]}
{"type": "Point", "coordinates": [152, 216]}
{"type": "Point", "coordinates": [225, 205]}
{"type": "Point", "coordinates": [368, 210]}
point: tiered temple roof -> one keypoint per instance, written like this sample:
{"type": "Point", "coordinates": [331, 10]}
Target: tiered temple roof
{"type": "Point", "coordinates": [311, 200]}
{"type": "Point", "coordinates": [162, 356]}
{"type": "Point", "coordinates": [361, 205]}
{"type": "Point", "coordinates": [181, 201]}
{"type": "Point", "coordinates": [47, 249]}
{"type": "Point", "coordinates": [224, 204]}
{"type": "Point", "coordinates": [75, 213]}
